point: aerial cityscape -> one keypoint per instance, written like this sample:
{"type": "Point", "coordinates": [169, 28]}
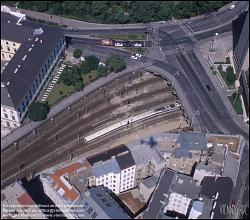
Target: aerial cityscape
{"type": "Point", "coordinates": [124, 110]}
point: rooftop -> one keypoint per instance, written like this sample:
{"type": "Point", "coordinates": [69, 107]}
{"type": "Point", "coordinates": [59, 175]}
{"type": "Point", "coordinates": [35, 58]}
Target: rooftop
{"type": "Point", "coordinates": [121, 153]}
{"type": "Point", "coordinates": [22, 70]}
{"type": "Point", "coordinates": [60, 180]}
{"type": "Point", "coordinates": [221, 185]}
{"type": "Point", "coordinates": [13, 195]}
{"type": "Point", "coordinates": [109, 166]}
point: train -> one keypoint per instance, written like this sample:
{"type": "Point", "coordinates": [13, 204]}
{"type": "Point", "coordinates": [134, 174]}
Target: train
{"type": "Point", "coordinates": [128, 121]}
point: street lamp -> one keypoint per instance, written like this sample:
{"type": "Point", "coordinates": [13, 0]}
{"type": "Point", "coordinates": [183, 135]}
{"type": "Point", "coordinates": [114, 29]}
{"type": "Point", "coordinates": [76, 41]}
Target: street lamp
{"type": "Point", "coordinates": [196, 113]}
{"type": "Point", "coordinates": [176, 73]}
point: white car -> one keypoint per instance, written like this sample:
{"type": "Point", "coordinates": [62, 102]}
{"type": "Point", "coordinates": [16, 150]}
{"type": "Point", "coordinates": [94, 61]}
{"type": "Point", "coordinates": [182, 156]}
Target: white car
{"type": "Point", "coordinates": [134, 57]}
{"type": "Point", "coordinates": [56, 77]}
{"type": "Point", "coordinates": [138, 55]}
{"type": "Point", "coordinates": [118, 44]}
{"type": "Point", "coordinates": [137, 45]}
{"type": "Point", "coordinates": [232, 7]}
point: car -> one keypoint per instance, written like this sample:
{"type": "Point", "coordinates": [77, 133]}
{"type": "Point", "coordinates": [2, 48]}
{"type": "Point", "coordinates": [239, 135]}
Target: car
{"type": "Point", "coordinates": [208, 88]}
{"type": "Point", "coordinates": [56, 77]}
{"type": "Point", "coordinates": [137, 45]}
{"type": "Point", "coordinates": [138, 55]}
{"type": "Point", "coordinates": [118, 44]}
{"type": "Point", "coordinates": [134, 57]}
{"type": "Point", "coordinates": [48, 90]}
{"type": "Point", "coordinates": [232, 7]}
{"type": "Point", "coordinates": [54, 81]}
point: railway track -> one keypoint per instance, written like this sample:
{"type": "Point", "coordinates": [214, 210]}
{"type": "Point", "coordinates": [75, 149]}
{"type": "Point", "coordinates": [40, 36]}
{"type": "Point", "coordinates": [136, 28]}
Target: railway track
{"type": "Point", "coordinates": [80, 148]}
{"type": "Point", "coordinates": [53, 136]}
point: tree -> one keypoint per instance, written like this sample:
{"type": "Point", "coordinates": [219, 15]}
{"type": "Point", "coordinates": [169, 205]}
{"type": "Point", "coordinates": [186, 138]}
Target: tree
{"type": "Point", "coordinates": [230, 75]}
{"type": "Point", "coordinates": [115, 63]}
{"type": "Point", "coordinates": [92, 61]}
{"type": "Point", "coordinates": [67, 77]}
{"type": "Point", "coordinates": [102, 71]}
{"type": "Point", "coordinates": [78, 85]}
{"type": "Point", "coordinates": [77, 53]}
{"type": "Point", "coordinates": [38, 111]}
{"type": "Point", "coordinates": [85, 67]}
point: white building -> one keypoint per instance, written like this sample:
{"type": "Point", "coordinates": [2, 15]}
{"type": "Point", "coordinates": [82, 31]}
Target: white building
{"type": "Point", "coordinates": [114, 168]}
{"type": "Point", "coordinates": [28, 54]}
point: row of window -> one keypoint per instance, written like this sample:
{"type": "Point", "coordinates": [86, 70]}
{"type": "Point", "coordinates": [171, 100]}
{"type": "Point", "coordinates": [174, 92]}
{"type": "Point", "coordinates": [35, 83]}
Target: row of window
{"type": "Point", "coordinates": [3, 56]}
{"type": "Point", "coordinates": [13, 117]}
{"type": "Point", "coordinates": [8, 124]}
{"type": "Point", "coordinates": [7, 43]}
{"type": "Point", "coordinates": [131, 185]}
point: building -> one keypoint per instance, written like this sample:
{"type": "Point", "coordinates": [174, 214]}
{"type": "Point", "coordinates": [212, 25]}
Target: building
{"type": "Point", "coordinates": [217, 189]}
{"type": "Point", "coordinates": [148, 159]}
{"type": "Point", "coordinates": [177, 196]}
{"type": "Point", "coordinates": [29, 53]}
{"type": "Point", "coordinates": [57, 186]}
{"type": "Point", "coordinates": [17, 204]}
{"type": "Point", "coordinates": [241, 63]}
{"type": "Point", "coordinates": [114, 168]}
{"type": "Point", "coordinates": [103, 204]}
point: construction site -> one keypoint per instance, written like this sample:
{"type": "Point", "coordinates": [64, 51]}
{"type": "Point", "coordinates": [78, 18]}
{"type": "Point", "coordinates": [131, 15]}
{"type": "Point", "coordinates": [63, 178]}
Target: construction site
{"type": "Point", "coordinates": [62, 137]}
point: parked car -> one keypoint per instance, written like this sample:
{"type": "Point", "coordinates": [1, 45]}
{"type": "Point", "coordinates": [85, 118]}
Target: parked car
{"type": "Point", "coordinates": [134, 57]}
{"type": "Point", "coordinates": [137, 45]}
{"type": "Point", "coordinates": [138, 55]}
{"type": "Point", "coordinates": [118, 44]}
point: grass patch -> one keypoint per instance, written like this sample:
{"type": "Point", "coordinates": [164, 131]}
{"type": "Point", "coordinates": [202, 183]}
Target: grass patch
{"type": "Point", "coordinates": [123, 36]}
{"type": "Point", "coordinates": [224, 75]}
{"type": "Point", "coordinates": [90, 77]}
{"type": "Point", "coordinates": [137, 50]}
{"type": "Point", "coordinates": [237, 106]}
{"type": "Point", "coordinates": [59, 92]}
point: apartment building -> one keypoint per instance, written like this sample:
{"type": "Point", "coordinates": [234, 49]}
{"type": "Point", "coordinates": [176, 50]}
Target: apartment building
{"type": "Point", "coordinates": [29, 53]}
{"type": "Point", "coordinates": [114, 169]}
{"type": "Point", "coordinates": [58, 188]}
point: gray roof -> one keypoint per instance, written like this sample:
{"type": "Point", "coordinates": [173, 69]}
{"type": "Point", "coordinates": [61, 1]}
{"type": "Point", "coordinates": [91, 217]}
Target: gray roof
{"type": "Point", "coordinates": [210, 167]}
{"type": "Point", "coordinates": [21, 81]}
{"type": "Point", "coordinates": [222, 185]}
{"type": "Point", "coordinates": [163, 186]}
{"type": "Point", "coordinates": [150, 181]}
{"type": "Point", "coordinates": [97, 203]}
{"type": "Point", "coordinates": [101, 197]}
{"type": "Point", "coordinates": [106, 167]}
{"type": "Point", "coordinates": [193, 141]}
{"type": "Point", "coordinates": [179, 152]}
{"type": "Point", "coordinates": [198, 206]}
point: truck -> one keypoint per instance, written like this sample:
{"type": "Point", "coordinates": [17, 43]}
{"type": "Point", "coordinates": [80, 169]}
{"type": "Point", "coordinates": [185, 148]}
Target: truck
{"type": "Point", "coordinates": [106, 42]}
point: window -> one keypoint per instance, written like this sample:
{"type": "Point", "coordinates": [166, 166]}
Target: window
{"type": "Point", "coordinates": [113, 185]}
{"type": "Point", "coordinates": [13, 118]}
{"type": "Point", "coordinates": [8, 124]}
{"type": "Point", "coordinates": [106, 183]}
{"type": "Point", "coordinates": [93, 215]}
{"type": "Point", "coordinates": [106, 178]}
{"type": "Point", "coordinates": [5, 115]}
{"type": "Point", "coordinates": [131, 185]}
{"type": "Point", "coordinates": [7, 43]}
{"type": "Point", "coordinates": [4, 110]}
{"type": "Point", "coordinates": [15, 125]}
{"type": "Point", "coordinates": [123, 188]}
{"type": "Point", "coordinates": [114, 181]}
{"type": "Point", "coordinates": [125, 171]}
{"type": "Point", "coordinates": [11, 112]}
{"type": "Point", "coordinates": [8, 48]}
{"type": "Point", "coordinates": [89, 210]}
{"type": "Point", "coordinates": [14, 44]}
{"type": "Point", "coordinates": [125, 175]}
{"type": "Point", "coordinates": [9, 56]}
{"type": "Point", "coordinates": [132, 168]}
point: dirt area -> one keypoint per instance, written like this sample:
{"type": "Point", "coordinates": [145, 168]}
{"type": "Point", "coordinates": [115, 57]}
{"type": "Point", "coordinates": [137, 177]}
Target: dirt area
{"type": "Point", "coordinates": [232, 142]}
{"type": "Point", "coordinates": [132, 203]}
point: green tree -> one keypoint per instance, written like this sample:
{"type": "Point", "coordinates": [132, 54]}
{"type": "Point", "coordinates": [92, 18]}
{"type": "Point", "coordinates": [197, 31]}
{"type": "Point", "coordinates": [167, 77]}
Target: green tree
{"type": "Point", "coordinates": [77, 53]}
{"type": "Point", "coordinates": [231, 77]}
{"type": "Point", "coordinates": [78, 85]}
{"type": "Point", "coordinates": [38, 111]}
{"type": "Point", "coordinates": [92, 61]}
{"type": "Point", "coordinates": [115, 63]}
{"type": "Point", "coordinates": [85, 67]}
{"type": "Point", "coordinates": [102, 71]}
{"type": "Point", "coordinates": [67, 77]}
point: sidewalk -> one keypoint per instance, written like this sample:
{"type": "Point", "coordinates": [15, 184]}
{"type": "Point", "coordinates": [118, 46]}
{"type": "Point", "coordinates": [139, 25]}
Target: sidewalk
{"type": "Point", "coordinates": [25, 129]}
{"type": "Point", "coordinates": [222, 91]}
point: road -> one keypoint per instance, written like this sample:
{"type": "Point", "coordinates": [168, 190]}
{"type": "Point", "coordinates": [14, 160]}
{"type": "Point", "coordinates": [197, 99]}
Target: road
{"type": "Point", "coordinates": [172, 49]}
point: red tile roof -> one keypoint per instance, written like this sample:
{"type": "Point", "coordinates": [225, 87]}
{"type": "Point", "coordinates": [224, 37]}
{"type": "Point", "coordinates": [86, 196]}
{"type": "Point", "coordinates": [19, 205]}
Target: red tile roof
{"type": "Point", "coordinates": [69, 194]}
{"type": "Point", "coordinates": [25, 199]}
